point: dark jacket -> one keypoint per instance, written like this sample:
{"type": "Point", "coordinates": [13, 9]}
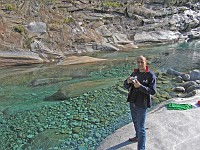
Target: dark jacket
{"type": "Point", "coordinates": [141, 97]}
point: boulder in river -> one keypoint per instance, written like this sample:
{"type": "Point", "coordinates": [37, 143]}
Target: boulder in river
{"type": "Point", "coordinates": [73, 90]}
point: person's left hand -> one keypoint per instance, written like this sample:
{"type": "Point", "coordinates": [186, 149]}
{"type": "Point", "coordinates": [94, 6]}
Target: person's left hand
{"type": "Point", "coordinates": [137, 84]}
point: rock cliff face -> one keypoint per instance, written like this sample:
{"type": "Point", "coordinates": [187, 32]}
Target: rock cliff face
{"type": "Point", "coordinates": [44, 31]}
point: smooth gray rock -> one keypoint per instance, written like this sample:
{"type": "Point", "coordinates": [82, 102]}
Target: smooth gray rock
{"type": "Point", "coordinates": [174, 72]}
{"type": "Point", "coordinates": [161, 36]}
{"type": "Point", "coordinates": [37, 27]}
{"type": "Point", "coordinates": [186, 77]}
{"type": "Point", "coordinates": [192, 88]}
{"type": "Point", "coordinates": [179, 89]}
{"type": "Point", "coordinates": [179, 79]}
{"type": "Point", "coordinates": [188, 84]}
{"type": "Point", "coordinates": [195, 75]}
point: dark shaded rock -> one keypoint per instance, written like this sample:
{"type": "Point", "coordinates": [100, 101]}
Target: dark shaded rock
{"type": "Point", "coordinates": [186, 77]}
{"type": "Point", "coordinates": [188, 84]}
{"type": "Point", "coordinates": [197, 81]}
{"type": "Point", "coordinates": [174, 72]}
{"type": "Point", "coordinates": [179, 89]}
{"type": "Point", "coordinates": [179, 79]}
{"type": "Point", "coordinates": [192, 88]}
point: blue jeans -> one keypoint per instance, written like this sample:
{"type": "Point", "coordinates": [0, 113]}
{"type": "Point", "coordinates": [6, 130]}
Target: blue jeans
{"type": "Point", "coordinates": [139, 116]}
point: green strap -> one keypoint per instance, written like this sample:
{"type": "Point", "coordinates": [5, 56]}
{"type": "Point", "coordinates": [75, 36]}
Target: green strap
{"type": "Point", "coordinates": [175, 106]}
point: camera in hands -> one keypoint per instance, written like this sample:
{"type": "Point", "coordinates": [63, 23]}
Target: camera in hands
{"type": "Point", "coordinates": [133, 79]}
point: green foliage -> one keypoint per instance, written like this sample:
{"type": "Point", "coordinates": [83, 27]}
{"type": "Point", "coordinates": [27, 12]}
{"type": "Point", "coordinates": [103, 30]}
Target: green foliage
{"type": "Point", "coordinates": [9, 7]}
{"type": "Point", "coordinates": [112, 4]}
{"type": "Point", "coordinates": [172, 2]}
{"type": "Point", "coordinates": [176, 2]}
{"type": "Point", "coordinates": [68, 20]}
{"type": "Point", "coordinates": [71, 1]}
{"type": "Point", "coordinates": [19, 29]}
{"type": "Point", "coordinates": [27, 42]}
{"type": "Point", "coordinates": [50, 2]}
{"type": "Point", "coordinates": [182, 9]}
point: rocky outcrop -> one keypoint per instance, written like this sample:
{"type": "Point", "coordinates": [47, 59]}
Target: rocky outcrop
{"type": "Point", "coordinates": [20, 58]}
{"type": "Point", "coordinates": [52, 30]}
{"type": "Point", "coordinates": [162, 36]}
{"type": "Point", "coordinates": [190, 82]}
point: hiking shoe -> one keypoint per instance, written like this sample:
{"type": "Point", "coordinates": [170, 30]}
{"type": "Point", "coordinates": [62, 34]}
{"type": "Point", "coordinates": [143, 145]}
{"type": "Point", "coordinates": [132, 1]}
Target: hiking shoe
{"type": "Point", "coordinates": [133, 139]}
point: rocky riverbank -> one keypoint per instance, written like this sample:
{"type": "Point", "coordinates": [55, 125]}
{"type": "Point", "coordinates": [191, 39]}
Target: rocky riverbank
{"type": "Point", "coordinates": [34, 32]}
{"type": "Point", "coordinates": [188, 83]}
{"type": "Point", "coordinates": [82, 120]}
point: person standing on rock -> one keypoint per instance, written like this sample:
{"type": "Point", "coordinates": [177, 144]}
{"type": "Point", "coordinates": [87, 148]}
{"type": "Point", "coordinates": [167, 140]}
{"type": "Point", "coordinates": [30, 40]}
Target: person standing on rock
{"type": "Point", "coordinates": [141, 84]}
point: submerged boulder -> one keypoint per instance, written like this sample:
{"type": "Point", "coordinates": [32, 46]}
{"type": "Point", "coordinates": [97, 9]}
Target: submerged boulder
{"type": "Point", "coordinates": [174, 72]}
{"type": "Point", "coordinates": [47, 81]}
{"type": "Point", "coordinates": [73, 90]}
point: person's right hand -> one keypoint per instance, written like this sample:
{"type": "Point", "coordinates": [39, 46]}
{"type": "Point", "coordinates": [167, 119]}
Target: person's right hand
{"type": "Point", "coordinates": [129, 80]}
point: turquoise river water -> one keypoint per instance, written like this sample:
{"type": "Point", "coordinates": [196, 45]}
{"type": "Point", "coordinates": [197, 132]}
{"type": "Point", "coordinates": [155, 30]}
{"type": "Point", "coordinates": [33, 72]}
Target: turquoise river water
{"type": "Point", "coordinates": [81, 122]}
